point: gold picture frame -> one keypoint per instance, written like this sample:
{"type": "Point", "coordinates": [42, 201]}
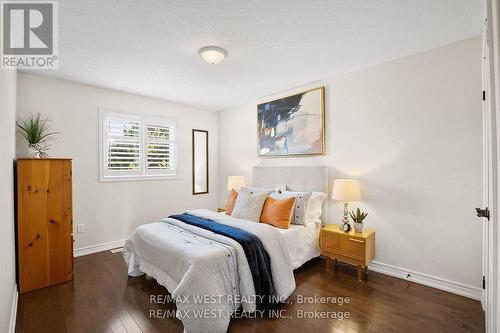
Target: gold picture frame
{"type": "Point", "coordinates": [288, 105]}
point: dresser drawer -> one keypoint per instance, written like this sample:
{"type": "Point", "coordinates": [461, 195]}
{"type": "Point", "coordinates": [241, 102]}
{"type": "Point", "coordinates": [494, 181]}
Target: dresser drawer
{"type": "Point", "coordinates": [343, 244]}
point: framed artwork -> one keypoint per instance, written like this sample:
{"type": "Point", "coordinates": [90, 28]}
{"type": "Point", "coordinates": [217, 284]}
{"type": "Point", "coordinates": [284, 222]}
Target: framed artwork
{"type": "Point", "coordinates": [293, 125]}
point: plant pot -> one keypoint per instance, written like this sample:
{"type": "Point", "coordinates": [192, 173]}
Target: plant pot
{"type": "Point", "coordinates": [37, 151]}
{"type": "Point", "coordinates": [358, 227]}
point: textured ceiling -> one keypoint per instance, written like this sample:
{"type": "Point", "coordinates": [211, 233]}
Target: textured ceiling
{"type": "Point", "coordinates": [150, 47]}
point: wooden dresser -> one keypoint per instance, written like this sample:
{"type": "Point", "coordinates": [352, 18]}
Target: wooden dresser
{"type": "Point", "coordinates": [44, 222]}
{"type": "Point", "coordinates": [351, 247]}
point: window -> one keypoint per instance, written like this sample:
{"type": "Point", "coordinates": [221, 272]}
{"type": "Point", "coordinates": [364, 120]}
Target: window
{"type": "Point", "coordinates": [134, 147]}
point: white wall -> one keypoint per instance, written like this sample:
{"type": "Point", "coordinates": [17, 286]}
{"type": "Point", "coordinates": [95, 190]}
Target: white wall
{"type": "Point", "coordinates": [111, 211]}
{"type": "Point", "coordinates": [410, 130]}
{"type": "Point", "coordinates": [7, 155]}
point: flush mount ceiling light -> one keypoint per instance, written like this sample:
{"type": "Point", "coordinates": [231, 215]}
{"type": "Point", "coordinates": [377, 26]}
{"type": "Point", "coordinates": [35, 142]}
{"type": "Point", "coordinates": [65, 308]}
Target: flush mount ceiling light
{"type": "Point", "coordinates": [212, 54]}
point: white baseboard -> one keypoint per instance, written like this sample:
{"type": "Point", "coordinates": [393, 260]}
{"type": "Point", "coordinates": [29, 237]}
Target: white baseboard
{"type": "Point", "coordinates": [83, 251]}
{"type": "Point", "coordinates": [13, 311]}
{"type": "Point", "coordinates": [427, 280]}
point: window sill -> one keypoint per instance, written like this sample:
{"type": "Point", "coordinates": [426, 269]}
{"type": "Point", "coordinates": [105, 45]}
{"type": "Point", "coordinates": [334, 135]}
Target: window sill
{"type": "Point", "coordinates": [135, 178]}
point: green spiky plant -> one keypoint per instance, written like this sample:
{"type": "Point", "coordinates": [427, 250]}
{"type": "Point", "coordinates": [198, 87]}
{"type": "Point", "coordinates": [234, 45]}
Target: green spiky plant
{"type": "Point", "coordinates": [35, 128]}
{"type": "Point", "coordinates": [358, 216]}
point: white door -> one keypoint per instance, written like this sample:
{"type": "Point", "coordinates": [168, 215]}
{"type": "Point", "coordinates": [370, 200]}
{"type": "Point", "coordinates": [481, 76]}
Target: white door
{"type": "Point", "coordinates": [487, 167]}
{"type": "Point", "coordinates": [490, 195]}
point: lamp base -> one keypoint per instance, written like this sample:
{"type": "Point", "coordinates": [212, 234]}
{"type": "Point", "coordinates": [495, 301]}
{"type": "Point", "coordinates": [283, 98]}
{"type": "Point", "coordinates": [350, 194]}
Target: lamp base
{"type": "Point", "coordinates": [345, 218]}
{"type": "Point", "coordinates": [345, 226]}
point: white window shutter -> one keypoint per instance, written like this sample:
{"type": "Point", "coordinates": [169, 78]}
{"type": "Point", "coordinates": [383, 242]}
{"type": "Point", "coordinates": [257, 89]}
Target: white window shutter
{"type": "Point", "coordinates": [134, 147]}
{"type": "Point", "coordinates": [161, 148]}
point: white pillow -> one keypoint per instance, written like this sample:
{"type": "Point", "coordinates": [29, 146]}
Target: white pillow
{"type": "Point", "coordinates": [249, 205]}
{"type": "Point", "coordinates": [279, 188]}
{"type": "Point", "coordinates": [315, 207]}
{"type": "Point", "coordinates": [253, 190]}
{"type": "Point", "coordinates": [301, 203]}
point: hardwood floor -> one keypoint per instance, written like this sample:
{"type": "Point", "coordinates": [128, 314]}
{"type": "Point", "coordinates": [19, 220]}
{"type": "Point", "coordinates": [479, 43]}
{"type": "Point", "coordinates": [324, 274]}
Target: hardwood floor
{"type": "Point", "coordinates": [103, 299]}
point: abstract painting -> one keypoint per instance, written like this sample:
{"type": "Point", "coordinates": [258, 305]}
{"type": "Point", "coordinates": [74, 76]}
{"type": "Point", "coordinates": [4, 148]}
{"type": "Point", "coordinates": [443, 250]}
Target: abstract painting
{"type": "Point", "coordinates": [292, 125]}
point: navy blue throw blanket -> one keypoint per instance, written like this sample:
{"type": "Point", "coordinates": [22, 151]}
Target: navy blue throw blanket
{"type": "Point", "coordinates": [257, 257]}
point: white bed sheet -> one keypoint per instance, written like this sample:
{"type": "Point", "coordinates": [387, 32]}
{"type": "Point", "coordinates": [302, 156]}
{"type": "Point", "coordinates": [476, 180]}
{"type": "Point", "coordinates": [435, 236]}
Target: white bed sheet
{"type": "Point", "coordinates": [302, 242]}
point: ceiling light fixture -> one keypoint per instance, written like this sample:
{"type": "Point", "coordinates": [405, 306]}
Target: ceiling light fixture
{"type": "Point", "coordinates": [212, 54]}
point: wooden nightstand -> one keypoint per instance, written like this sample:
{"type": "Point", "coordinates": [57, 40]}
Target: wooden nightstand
{"type": "Point", "coordinates": [220, 210]}
{"type": "Point", "coordinates": [352, 247]}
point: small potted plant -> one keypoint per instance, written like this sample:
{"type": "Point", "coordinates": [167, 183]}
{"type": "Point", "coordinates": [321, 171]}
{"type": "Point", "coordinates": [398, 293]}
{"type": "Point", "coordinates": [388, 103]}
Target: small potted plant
{"type": "Point", "coordinates": [35, 129]}
{"type": "Point", "coordinates": [358, 217]}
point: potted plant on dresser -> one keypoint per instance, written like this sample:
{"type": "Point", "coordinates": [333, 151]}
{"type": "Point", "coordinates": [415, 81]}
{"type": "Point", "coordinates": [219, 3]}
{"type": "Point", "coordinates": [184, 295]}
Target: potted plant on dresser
{"type": "Point", "coordinates": [35, 128]}
{"type": "Point", "coordinates": [357, 218]}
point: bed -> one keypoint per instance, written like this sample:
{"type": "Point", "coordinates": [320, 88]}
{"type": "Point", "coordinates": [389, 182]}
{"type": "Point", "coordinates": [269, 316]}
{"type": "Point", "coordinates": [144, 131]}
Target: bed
{"type": "Point", "coordinates": [213, 264]}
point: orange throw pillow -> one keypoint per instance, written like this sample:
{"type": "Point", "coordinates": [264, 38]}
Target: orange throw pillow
{"type": "Point", "coordinates": [233, 195]}
{"type": "Point", "coordinates": [278, 213]}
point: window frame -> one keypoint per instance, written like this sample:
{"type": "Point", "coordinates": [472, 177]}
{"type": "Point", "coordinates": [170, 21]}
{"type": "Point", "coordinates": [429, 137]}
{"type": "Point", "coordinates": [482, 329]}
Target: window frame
{"type": "Point", "coordinates": [106, 175]}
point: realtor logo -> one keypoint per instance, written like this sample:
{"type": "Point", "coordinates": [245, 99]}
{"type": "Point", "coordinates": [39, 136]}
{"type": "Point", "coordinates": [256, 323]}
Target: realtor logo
{"type": "Point", "coordinates": [29, 35]}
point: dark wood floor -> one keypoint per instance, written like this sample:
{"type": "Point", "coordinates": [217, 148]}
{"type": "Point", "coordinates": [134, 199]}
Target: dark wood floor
{"type": "Point", "coordinates": [103, 299]}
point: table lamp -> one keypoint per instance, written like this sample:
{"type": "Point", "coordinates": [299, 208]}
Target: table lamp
{"type": "Point", "coordinates": [346, 190]}
{"type": "Point", "coordinates": [235, 183]}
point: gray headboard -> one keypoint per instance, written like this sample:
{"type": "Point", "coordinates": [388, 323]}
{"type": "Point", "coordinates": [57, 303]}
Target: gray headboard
{"type": "Point", "coordinates": [296, 178]}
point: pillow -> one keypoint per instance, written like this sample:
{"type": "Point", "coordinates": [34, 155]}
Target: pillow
{"type": "Point", "coordinates": [279, 188]}
{"type": "Point", "coordinates": [231, 200]}
{"type": "Point", "coordinates": [249, 205]}
{"type": "Point", "coordinates": [301, 202]}
{"type": "Point", "coordinates": [314, 208]}
{"type": "Point", "coordinates": [277, 213]}
{"type": "Point", "coordinates": [253, 190]}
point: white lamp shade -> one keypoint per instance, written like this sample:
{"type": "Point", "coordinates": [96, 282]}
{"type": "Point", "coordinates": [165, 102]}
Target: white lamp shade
{"type": "Point", "coordinates": [235, 183]}
{"type": "Point", "coordinates": [346, 190]}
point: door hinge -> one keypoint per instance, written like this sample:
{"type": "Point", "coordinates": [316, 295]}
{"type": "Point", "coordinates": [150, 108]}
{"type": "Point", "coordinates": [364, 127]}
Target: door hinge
{"type": "Point", "coordinates": [483, 213]}
{"type": "Point", "coordinates": [484, 282]}
{"type": "Point", "coordinates": [484, 95]}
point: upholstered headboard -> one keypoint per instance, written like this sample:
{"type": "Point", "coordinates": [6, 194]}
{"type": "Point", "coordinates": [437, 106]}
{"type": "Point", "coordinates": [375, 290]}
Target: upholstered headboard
{"type": "Point", "coordinates": [296, 178]}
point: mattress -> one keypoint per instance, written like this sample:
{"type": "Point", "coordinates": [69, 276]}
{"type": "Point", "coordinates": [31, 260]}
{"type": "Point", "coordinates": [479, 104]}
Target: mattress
{"type": "Point", "coordinates": [302, 242]}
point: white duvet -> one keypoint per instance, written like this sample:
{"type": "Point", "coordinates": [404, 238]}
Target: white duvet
{"type": "Point", "coordinates": [192, 262]}
{"type": "Point", "coordinates": [302, 241]}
